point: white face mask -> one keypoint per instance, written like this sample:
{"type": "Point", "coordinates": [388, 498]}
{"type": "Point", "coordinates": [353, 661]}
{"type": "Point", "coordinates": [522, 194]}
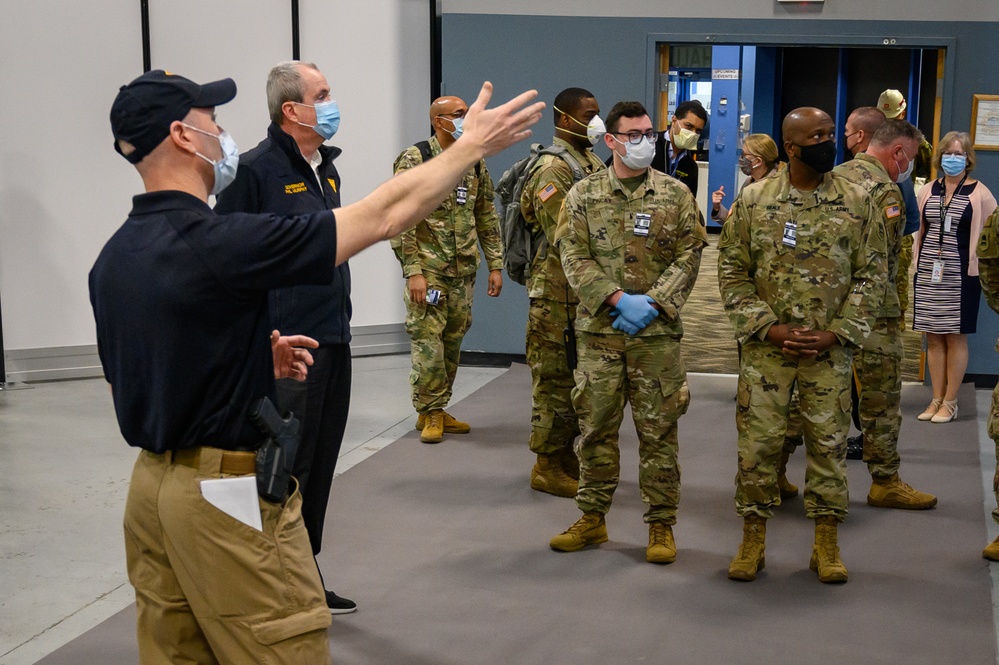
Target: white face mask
{"type": "Point", "coordinates": [637, 156]}
{"type": "Point", "coordinates": [684, 139]}
{"type": "Point", "coordinates": [904, 175]}
{"type": "Point", "coordinates": [594, 130]}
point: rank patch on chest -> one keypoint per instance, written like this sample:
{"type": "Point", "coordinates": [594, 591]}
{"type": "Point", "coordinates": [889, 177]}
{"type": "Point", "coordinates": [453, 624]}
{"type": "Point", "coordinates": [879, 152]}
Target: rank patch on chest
{"type": "Point", "coordinates": [547, 192]}
{"type": "Point", "coordinates": [295, 188]}
{"type": "Point", "coordinates": [892, 212]}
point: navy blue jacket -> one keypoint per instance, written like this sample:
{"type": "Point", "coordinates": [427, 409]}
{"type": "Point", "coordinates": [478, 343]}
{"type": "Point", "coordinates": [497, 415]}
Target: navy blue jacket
{"type": "Point", "coordinates": [274, 178]}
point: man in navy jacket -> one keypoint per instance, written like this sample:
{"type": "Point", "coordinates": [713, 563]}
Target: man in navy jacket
{"type": "Point", "coordinates": [291, 172]}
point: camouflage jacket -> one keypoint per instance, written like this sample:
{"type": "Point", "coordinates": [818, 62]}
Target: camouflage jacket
{"type": "Point", "coordinates": [601, 252]}
{"type": "Point", "coordinates": [871, 175]}
{"type": "Point", "coordinates": [988, 261]}
{"type": "Point", "coordinates": [545, 189]}
{"type": "Point", "coordinates": [832, 279]}
{"type": "Point", "coordinates": [444, 243]}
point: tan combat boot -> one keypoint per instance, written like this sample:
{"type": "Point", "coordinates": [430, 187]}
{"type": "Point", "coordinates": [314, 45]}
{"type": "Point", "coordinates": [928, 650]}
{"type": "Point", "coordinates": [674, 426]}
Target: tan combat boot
{"type": "Point", "coordinates": [662, 547]}
{"type": "Point", "coordinates": [451, 426]}
{"type": "Point", "coordinates": [433, 427]}
{"type": "Point", "coordinates": [825, 552]}
{"type": "Point", "coordinates": [750, 558]}
{"type": "Point", "coordinates": [891, 492]}
{"type": "Point", "coordinates": [991, 552]}
{"type": "Point", "coordinates": [549, 476]}
{"type": "Point", "coordinates": [787, 490]}
{"type": "Point", "coordinates": [590, 529]}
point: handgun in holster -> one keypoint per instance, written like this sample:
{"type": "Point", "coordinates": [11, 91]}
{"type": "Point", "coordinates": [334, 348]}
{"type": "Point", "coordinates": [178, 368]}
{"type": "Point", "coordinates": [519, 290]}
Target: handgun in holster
{"type": "Point", "coordinates": [276, 457]}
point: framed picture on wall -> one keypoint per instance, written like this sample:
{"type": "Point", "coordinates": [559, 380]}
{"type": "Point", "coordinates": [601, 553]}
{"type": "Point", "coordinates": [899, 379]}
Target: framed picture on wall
{"type": "Point", "coordinates": [985, 122]}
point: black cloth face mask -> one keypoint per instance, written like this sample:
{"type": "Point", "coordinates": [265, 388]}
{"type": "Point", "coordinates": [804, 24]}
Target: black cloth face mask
{"type": "Point", "coordinates": [821, 156]}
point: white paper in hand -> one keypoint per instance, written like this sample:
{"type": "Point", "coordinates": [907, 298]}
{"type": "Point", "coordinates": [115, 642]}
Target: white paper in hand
{"type": "Point", "coordinates": [236, 497]}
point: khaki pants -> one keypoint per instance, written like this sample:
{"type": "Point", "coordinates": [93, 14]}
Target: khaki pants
{"type": "Point", "coordinates": [210, 589]}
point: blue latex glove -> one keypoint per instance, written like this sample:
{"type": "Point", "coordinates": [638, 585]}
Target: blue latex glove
{"type": "Point", "coordinates": [622, 324]}
{"type": "Point", "coordinates": [636, 309]}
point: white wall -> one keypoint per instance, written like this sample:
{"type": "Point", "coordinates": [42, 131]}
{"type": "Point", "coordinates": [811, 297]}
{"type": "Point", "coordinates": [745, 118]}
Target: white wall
{"type": "Point", "coordinates": [63, 189]}
{"type": "Point", "coordinates": [855, 10]}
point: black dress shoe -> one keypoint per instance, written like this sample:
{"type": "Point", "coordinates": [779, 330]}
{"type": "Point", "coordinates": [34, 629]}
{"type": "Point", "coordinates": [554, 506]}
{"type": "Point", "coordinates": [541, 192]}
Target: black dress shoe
{"type": "Point", "coordinates": [339, 604]}
{"type": "Point", "coordinates": [855, 447]}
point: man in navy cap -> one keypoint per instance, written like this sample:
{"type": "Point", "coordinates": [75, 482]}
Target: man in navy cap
{"type": "Point", "coordinates": [180, 300]}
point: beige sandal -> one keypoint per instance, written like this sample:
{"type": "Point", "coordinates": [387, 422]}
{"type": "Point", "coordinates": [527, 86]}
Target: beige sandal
{"type": "Point", "coordinates": [931, 410]}
{"type": "Point", "coordinates": [951, 407]}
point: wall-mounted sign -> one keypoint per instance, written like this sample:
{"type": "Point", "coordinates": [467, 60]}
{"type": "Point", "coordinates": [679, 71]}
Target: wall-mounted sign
{"type": "Point", "coordinates": [985, 122]}
{"type": "Point", "coordinates": [724, 74]}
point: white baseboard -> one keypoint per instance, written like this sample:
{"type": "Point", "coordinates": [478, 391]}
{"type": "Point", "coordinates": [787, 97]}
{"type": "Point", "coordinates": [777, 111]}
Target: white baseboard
{"type": "Point", "coordinates": [82, 362]}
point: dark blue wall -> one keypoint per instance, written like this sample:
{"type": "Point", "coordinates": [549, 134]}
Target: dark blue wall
{"type": "Point", "coordinates": [615, 59]}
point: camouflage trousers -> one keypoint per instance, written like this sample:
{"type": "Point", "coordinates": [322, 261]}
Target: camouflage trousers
{"type": "Point", "coordinates": [766, 379]}
{"type": "Point", "coordinates": [553, 420]}
{"type": "Point", "coordinates": [902, 276]}
{"type": "Point", "coordinates": [994, 435]}
{"type": "Point", "coordinates": [649, 373]}
{"type": "Point", "coordinates": [435, 333]}
{"type": "Point", "coordinates": [879, 383]}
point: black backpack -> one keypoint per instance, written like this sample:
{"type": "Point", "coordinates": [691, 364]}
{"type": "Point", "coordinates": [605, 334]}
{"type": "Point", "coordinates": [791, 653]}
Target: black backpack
{"type": "Point", "coordinates": [521, 243]}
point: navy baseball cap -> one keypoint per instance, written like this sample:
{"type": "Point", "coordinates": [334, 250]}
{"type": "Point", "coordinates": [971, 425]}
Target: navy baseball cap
{"type": "Point", "coordinates": [144, 109]}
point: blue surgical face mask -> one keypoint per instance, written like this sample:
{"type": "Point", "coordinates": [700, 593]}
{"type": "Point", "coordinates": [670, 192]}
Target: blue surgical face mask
{"type": "Point", "coordinates": [327, 118]}
{"type": "Point", "coordinates": [953, 165]}
{"type": "Point", "coordinates": [225, 168]}
{"type": "Point", "coordinates": [458, 123]}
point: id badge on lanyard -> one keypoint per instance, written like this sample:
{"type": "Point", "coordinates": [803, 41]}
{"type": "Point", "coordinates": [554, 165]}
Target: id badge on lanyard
{"type": "Point", "coordinates": [938, 268]}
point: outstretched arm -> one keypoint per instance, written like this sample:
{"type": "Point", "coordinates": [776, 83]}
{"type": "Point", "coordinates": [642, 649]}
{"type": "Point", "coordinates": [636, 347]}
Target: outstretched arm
{"type": "Point", "coordinates": [409, 197]}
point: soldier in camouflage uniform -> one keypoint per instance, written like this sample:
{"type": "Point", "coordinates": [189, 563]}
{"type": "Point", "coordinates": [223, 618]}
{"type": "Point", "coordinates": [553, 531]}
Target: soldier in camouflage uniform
{"type": "Point", "coordinates": [892, 105]}
{"type": "Point", "coordinates": [802, 269]}
{"type": "Point", "coordinates": [631, 242]}
{"type": "Point", "coordinates": [439, 259]}
{"type": "Point", "coordinates": [988, 275]}
{"type": "Point", "coordinates": [877, 364]}
{"type": "Point", "coordinates": [553, 304]}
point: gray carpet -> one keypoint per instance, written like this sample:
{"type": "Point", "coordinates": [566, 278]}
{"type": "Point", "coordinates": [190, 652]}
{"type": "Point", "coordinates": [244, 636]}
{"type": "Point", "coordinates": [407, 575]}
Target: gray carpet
{"type": "Point", "coordinates": [445, 548]}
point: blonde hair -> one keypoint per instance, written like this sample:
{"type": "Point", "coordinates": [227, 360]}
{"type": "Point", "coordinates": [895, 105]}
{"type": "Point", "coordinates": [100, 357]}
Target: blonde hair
{"type": "Point", "coordinates": [763, 147]}
{"type": "Point", "coordinates": [965, 139]}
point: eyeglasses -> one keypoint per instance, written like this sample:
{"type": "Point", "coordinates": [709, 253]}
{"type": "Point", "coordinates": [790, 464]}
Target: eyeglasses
{"type": "Point", "coordinates": [955, 154]}
{"type": "Point", "coordinates": [634, 138]}
{"type": "Point", "coordinates": [455, 114]}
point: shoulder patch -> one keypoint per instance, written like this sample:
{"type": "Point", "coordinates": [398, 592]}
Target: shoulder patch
{"type": "Point", "coordinates": [892, 211]}
{"type": "Point", "coordinates": [547, 192]}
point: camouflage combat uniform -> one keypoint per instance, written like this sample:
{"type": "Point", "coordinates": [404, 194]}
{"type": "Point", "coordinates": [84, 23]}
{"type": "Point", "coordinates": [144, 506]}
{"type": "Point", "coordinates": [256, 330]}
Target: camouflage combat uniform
{"type": "Point", "coordinates": [832, 280]}
{"type": "Point", "coordinates": [443, 249]}
{"type": "Point", "coordinates": [877, 364]}
{"type": "Point", "coordinates": [602, 254]}
{"type": "Point", "coordinates": [988, 274]}
{"type": "Point", "coordinates": [553, 304]}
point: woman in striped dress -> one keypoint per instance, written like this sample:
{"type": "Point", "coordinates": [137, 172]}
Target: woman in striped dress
{"type": "Point", "coordinates": [947, 290]}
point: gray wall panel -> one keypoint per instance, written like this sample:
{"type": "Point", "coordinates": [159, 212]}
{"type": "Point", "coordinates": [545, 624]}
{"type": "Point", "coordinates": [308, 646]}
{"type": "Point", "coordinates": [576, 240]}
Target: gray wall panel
{"type": "Point", "coordinates": [612, 57]}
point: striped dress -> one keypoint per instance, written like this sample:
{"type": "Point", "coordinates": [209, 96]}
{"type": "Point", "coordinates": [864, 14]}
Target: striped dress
{"type": "Point", "coordinates": [950, 306]}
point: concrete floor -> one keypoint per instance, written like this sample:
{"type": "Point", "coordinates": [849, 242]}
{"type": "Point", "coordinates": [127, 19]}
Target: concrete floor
{"type": "Point", "coordinates": [64, 478]}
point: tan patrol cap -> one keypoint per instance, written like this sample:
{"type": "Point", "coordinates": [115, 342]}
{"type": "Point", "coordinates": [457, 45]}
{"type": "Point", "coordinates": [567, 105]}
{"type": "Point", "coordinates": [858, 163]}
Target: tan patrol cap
{"type": "Point", "coordinates": [891, 103]}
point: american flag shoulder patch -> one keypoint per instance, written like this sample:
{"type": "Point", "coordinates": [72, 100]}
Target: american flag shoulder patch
{"type": "Point", "coordinates": [547, 192]}
{"type": "Point", "coordinates": [892, 211]}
